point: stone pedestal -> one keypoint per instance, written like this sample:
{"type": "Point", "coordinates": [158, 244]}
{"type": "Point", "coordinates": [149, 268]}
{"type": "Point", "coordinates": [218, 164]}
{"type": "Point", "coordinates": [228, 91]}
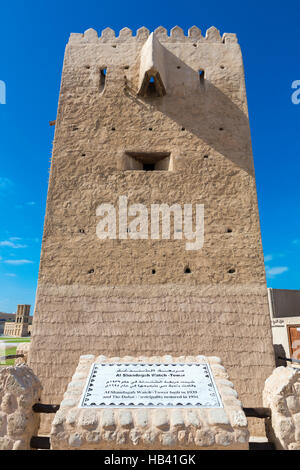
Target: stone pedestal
{"type": "Point", "coordinates": [282, 395]}
{"type": "Point", "coordinates": [20, 389]}
{"type": "Point", "coordinates": [150, 428]}
{"type": "Point", "coordinates": [23, 348]}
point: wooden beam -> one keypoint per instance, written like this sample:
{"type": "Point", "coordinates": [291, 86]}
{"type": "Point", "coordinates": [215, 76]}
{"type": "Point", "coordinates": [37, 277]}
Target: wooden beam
{"type": "Point", "coordinates": [297, 361]}
{"type": "Point", "coordinates": [40, 442]}
{"type": "Point", "coordinates": [41, 408]}
{"type": "Point", "coordinates": [261, 446]}
{"type": "Point", "coordinates": [11, 356]}
{"type": "Point", "coordinates": [257, 412]}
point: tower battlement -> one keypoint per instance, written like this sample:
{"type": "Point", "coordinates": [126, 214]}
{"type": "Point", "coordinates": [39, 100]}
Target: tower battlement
{"type": "Point", "coordinates": [194, 36]}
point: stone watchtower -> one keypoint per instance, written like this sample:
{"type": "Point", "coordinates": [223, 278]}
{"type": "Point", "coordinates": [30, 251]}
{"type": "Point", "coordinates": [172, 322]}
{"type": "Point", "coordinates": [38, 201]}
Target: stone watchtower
{"type": "Point", "coordinates": [160, 119]}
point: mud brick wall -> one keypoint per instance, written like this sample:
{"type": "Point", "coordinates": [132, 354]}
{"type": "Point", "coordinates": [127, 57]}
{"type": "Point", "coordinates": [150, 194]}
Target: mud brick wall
{"type": "Point", "coordinates": [120, 297]}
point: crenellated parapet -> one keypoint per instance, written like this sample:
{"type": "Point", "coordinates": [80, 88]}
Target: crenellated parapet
{"type": "Point", "coordinates": [176, 34]}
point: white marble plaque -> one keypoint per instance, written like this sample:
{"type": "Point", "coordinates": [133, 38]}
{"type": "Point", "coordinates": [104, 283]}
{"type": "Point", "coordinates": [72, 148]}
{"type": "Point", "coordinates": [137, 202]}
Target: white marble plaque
{"type": "Point", "coordinates": [150, 386]}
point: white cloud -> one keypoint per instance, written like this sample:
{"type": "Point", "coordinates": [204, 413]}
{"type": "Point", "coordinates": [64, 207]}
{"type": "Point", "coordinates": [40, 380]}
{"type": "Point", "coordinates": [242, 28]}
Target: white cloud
{"type": "Point", "coordinates": [268, 258]}
{"type": "Point", "coordinates": [272, 272]}
{"type": "Point", "coordinates": [18, 261]}
{"type": "Point", "coordinates": [11, 244]}
{"type": "Point", "coordinates": [15, 239]}
{"type": "Point", "coordinates": [31, 203]}
{"type": "Point", "coordinates": [10, 274]}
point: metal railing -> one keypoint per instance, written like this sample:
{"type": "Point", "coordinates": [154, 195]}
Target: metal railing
{"type": "Point", "coordinates": [289, 359]}
{"type": "Point", "coordinates": [11, 356]}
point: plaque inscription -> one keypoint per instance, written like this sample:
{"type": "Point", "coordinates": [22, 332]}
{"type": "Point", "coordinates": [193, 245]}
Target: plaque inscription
{"type": "Point", "coordinates": [150, 386]}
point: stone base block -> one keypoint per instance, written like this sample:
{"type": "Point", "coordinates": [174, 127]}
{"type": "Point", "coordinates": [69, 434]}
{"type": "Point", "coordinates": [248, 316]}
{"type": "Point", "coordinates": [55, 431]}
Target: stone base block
{"type": "Point", "coordinates": [150, 428]}
{"type": "Point", "coordinates": [282, 395]}
{"type": "Point", "coordinates": [20, 389]}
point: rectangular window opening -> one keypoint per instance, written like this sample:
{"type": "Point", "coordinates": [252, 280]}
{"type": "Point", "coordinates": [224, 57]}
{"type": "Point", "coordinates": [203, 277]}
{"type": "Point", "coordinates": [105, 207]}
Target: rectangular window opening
{"type": "Point", "coordinates": [147, 161]}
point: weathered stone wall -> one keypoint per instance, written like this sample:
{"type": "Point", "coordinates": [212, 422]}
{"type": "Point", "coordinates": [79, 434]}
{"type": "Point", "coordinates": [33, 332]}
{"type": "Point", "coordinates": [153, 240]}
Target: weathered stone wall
{"type": "Point", "coordinates": [168, 319]}
{"type": "Point", "coordinates": [282, 395]}
{"type": "Point", "coordinates": [20, 389]}
{"type": "Point", "coordinates": [133, 296]}
{"type": "Point", "coordinates": [22, 348]}
{"type": "Point", "coordinates": [186, 428]}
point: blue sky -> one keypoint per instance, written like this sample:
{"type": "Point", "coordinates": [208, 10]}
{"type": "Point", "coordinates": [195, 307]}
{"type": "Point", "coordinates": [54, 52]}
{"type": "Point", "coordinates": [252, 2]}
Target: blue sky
{"type": "Point", "coordinates": [33, 35]}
